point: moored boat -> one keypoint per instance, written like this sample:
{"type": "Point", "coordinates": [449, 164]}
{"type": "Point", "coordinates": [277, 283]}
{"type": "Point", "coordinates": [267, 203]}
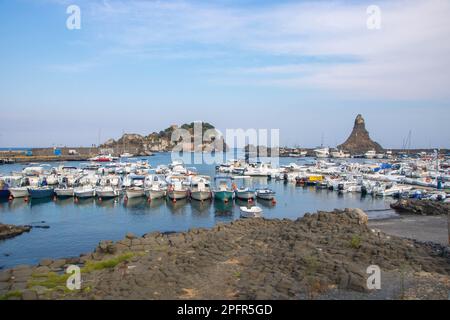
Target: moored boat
{"type": "Point", "coordinates": [253, 212]}
{"type": "Point", "coordinates": [265, 194]}
{"type": "Point", "coordinates": [41, 192]}
{"type": "Point", "coordinates": [84, 192]}
{"type": "Point", "coordinates": [64, 192]}
{"type": "Point", "coordinates": [134, 192]}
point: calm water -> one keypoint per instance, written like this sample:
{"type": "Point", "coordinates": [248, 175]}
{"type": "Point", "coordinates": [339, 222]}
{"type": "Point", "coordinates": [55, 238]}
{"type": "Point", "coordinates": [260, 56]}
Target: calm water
{"type": "Point", "coordinates": [77, 228]}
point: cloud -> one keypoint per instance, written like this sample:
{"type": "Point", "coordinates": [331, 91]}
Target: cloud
{"type": "Point", "coordinates": [406, 59]}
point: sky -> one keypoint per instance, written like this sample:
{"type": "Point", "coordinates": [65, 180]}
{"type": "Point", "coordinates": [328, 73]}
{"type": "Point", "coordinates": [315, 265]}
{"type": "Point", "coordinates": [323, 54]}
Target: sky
{"type": "Point", "coordinates": [306, 68]}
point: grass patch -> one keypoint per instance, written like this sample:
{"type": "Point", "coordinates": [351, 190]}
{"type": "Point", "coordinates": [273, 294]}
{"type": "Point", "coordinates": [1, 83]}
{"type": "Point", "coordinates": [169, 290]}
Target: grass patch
{"type": "Point", "coordinates": [355, 243]}
{"type": "Point", "coordinates": [106, 264]}
{"type": "Point", "coordinates": [11, 294]}
{"type": "Point", "coordinates": [52, 280]}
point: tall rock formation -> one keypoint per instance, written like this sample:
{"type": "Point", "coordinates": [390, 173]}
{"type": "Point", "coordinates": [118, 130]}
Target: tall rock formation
{"type": "Point", "coordinates": [359, 140]}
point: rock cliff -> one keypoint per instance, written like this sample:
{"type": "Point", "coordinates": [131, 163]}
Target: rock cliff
{"type": "Point", "coordinates": [200, 136]}
{"type": "Point", "coordinates": [359, 140]}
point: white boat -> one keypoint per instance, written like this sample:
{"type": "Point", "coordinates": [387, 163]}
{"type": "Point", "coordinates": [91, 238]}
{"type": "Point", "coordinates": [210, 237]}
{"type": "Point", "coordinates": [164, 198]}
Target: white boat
{"type": "Point", "coordinates": [253, 212]}
{"type": "Point", "coordinates": [64, 192]}
{"type": "Point", "coordinates": [265, 194]}
{"type": "Point", "coordinates": [244, 193]}
{"type": "Point", "coordinates": [259, 170]}
{"type": "Point", "coordinates": [105, 192]}
{"type": "Point", "coordinates": [371, 154]}
{"type": "Point", "coordinates": [19, 192]}
{"type": "Point", "coordinates": [84, 192]}
{"type": "Point", "coordinates": [200, 189]}
{"type": "Point", "coordinates": [126, 155]}
{"type": "Point", "coordinates": [134, 192]}
{"type": "Point", "coordinates": [322, 152]}
{"type": "Point", "coordinates": [155, 192]}
{"type": "Point", "coordinates": [340, 154]}
{"type": "Point", "coordinates": [177, 191]}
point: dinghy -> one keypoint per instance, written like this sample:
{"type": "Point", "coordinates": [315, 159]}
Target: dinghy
{"type": "Point", "coordinates": [253, 212]}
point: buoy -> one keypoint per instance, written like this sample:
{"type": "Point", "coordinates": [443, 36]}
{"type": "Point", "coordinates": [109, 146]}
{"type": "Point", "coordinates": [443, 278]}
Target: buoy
{"type": "Point", "coordinates": [149, 200]}
{"type": "Point", "coordinates": [54, 198]}
{"type": "Point", "coordinates": [25, 199]}
{"type": "Point", "coordinates": [10, 197]}
{"type": "Point", "coordinates": [125, 199]}
{"type": "Point", "coordinates": [174, 200]}
{"type": "Point", "coordinates": [274, 201]}
{"type": "Point", "coordinates": [75, 199]}
{"type": "Point", "coordinates": [250, 200]}
{"type": "Point", "coordinates": [99, 198]}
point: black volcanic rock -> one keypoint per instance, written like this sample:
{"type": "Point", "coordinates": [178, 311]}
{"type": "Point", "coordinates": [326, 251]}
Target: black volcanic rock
{"type": "Point", "coordinates": [359, 140]}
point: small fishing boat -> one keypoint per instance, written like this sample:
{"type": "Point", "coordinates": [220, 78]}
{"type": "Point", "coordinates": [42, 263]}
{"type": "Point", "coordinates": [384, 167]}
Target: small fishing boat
{"type": "Point", "coordinates": [223, 192]}
{"type": "Point", "coordinates": [84, 192]}
{"type": "Point", "coordinates": [64, 192]}
{"type": "Point", "coordinates": [200, 189]}
{"type": "Point", "coordinates": [265, 194]}
{"type": "Point", "coordinates": [19, 192]}
{"type": "Point", "coordinates": [177, 191]}
{"type": "Point", "coordinates": [253, 212]}
{"type": "Point", "coordinates": [106, 192]}
{"type": "Point", "coordinates": [134, 192]}
{"type": "Point", "coordinates": [41, 192]}
{"type": "Point", "coordinates": [244, 193]}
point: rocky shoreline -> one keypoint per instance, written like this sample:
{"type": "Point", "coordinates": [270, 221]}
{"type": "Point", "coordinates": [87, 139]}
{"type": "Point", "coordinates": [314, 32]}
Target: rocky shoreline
{"type": "Point", "coordinates": [10, 231]}
{"type": "Point", "coordinates": [421, 207]}
{"type": "Point", "coordinates": [320, 256]}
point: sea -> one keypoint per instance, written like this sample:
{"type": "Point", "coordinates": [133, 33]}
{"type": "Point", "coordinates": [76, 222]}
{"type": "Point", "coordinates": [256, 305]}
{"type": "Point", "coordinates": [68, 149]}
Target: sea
{"type": "Point", "coordinates": [77, 228]}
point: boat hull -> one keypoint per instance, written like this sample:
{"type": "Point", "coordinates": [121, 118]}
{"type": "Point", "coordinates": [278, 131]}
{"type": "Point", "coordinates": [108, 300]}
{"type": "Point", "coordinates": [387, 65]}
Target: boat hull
{"type": "Point", "coordinates": [19, 192]}
{"type": "Point", "coordinates": [41, 193]}
{"type": "Point", "coordinates": [177, 195]}
{"type": "Point", "coordinates": [266, 195]}
{"type": "Point", "coordinates": [105, 194]}
{"type": "Point", "coordinates": [245, 195]}
{"type": "Point", "coordinates": [84, 194]}
{"type": "Point", "coordinates": [64, 193]}
{"type": "Point", "coordinates": [4, 194]}
{"type": "Point", "coordinates": [224, 195]}
{"type": "Point", "coordinates": [155, 194]}
{"type": "Point", "coordinates": [134, 193]}
{"type": "Point", "coordinates": [201, 195]}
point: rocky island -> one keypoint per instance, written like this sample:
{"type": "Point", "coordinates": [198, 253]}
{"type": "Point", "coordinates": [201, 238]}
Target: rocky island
{"type": "Point", "coordinates": [359, 140]}
{"type": "Point", "coordinates": [207, 139]}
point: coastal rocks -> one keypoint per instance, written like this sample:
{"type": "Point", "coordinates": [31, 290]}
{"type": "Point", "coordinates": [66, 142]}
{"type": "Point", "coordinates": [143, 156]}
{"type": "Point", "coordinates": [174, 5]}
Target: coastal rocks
{"type": "Point", "coordinates": [422, 207]}
{"type": "Point", "coordinates": [10, 231]}
{"type": "Point", "coordinates": [359, 140]}
{"type": "Point", "coordinates": [251, 259]}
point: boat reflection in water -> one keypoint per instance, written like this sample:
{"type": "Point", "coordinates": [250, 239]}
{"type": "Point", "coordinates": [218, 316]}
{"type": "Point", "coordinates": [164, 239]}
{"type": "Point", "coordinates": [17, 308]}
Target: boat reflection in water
{"type": "Point", "coordinates": [40, 201]}
{"type": "Point", "coordinates": [16, 204]}
{"type": "Point", "coordinates": [156, 203]}
{"type": "Point", "coordinates": [222, 208]}
{"type": "Point", "coordinates": [62, 202]}
{"type": "Point", "coordinates": [178, 207]}
{"type": "Point", "coordinates": [266, 203]}
{"type": "Point", "coordinates": [107, 203]}
{"type": "Point", "coordinates": [138, 203]}
{"type": "Point", "coordinates": [85, 202]}
{"type": "Point", "coordinates": [201, 208]}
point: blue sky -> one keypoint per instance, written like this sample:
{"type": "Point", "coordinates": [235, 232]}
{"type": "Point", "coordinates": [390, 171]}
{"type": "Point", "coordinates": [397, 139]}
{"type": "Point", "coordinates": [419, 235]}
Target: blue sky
{"type": "Point", "coordinates": [304, 67]}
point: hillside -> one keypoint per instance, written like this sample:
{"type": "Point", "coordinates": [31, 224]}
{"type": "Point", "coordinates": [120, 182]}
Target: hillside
{"type": "Point", "coordinates": [165, 140]}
